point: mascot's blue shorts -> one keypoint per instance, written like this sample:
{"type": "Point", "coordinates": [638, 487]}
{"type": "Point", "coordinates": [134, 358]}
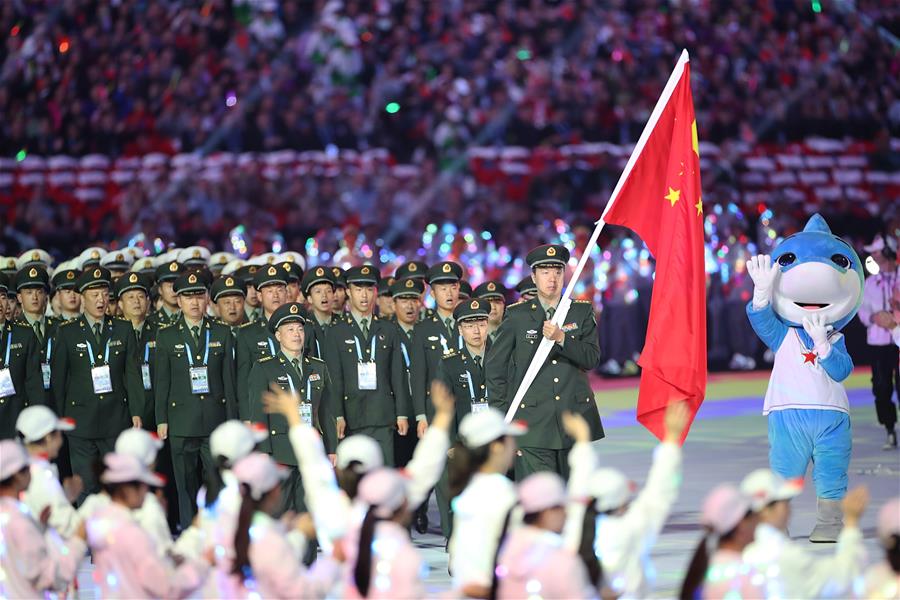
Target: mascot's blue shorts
{"type": "Point", "coordinates": [798, 436]}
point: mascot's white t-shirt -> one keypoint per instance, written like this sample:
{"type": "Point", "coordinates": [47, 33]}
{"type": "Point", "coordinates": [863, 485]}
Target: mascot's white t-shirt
{"type": "Point", "coordinates": [798, 381]}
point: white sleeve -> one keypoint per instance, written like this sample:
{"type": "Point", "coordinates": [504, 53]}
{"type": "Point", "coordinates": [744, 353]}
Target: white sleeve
{"type": "Point", "coordinates": [427, 464]}
{"type": "Point", "coordinates": [45, 490]}
{"type": "Point", "coordinates": [826, 576]}
{"type": "Point", "coordinates": [648, 512]}
{"type": "Point", "coordinates": [582, 463]}
{"type": "Point", "coordinates": [152, 519]}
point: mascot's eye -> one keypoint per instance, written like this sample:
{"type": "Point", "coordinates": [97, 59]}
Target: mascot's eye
{"type": "Point", "coordinates": [787, 259]}
{"type": "Point", "coordinates": [840, 260]}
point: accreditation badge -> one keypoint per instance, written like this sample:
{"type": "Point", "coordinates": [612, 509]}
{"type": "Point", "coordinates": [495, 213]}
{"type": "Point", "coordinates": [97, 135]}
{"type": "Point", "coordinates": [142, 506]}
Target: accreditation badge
{"type": "Point", "coordinates": [145, 375]}
{"type": "Point", "coordinates": [306, 413]}
{"type": "Point", "coordinates": [101, 379]}
{"type": "Point", "coordinates": [199, 380]}
{"type": "Point", "coordinates": [6, 383]}
{"type": "Point", "coordinates": [45, 375]}
{"type": "Point", "coordinates": [478, 407]}
{"type": "Point", "coordinates": [366, 376]}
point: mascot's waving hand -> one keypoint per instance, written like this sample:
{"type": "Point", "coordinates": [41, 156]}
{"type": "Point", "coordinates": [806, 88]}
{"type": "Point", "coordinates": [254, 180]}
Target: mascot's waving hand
{"type": "Point", "coordinates": [803, 295]}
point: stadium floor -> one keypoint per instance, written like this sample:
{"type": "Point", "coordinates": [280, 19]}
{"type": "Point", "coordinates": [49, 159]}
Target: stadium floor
{"type": "Point", "coordinates": [727, 440]}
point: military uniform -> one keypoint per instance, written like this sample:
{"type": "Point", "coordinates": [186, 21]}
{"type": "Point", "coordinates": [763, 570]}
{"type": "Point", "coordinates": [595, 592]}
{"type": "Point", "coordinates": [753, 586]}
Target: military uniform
{"type": "Point", "coordinates": [20, 359]}
{"type": "Point", "coordinates": [225, 286]}
{"type": "Point", "coordinates": [169, 271]}
{"type": "Point", "coordinates": [561, 384]}
{"type": "Point", "coordinates": [316, 331]}
{"type": "Point", "coordinates": [95, 380]}
{"type": "Point", "coordinates": [193, 405]}
{"type": "Point", "coordinates": [405, 445]}
{"type": "Point", "coordinates": [349, 354]}
{"type": "Point", "coordinates": [46, 326]}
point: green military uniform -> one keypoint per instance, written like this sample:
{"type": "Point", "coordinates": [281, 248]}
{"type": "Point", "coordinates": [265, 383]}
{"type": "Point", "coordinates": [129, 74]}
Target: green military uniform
{"type": "Point", "coordinates": [349, 351]}
{"type": "Point", "coordinates": [492, 291]}
{"type": "Point", "coordinates": [406, 288]}
{"type": "Point", "coordinates": [253, 341]}
{"type": "Point", "coordinates": [433, 338]}
{"type": "Point", "coordinates": [145, 336]}
{"type": "Point", "coordinates": [561, 384]}
{"type": "Point", "coordinates": [20, 357]}
{"type": "Point", "coordinates": [78, 390]}
{"type": "Point", "coordinates": [191, 414]}
{"type": "Point", "coordinates": [169, 271]}
{"type": "Point", "coordinates": [225, 286]}
{"type": "Point", "coordinates": [316, 331]}
{"type": "Point", "coordinates": [46, 326]}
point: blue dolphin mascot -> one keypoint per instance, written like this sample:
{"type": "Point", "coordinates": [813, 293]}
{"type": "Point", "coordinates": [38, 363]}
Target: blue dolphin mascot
{"type": "Point", "coordinates": [803, 294]}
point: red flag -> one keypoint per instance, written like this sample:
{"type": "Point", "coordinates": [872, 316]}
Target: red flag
{"type": "Point", "coordinates": [659, 199]}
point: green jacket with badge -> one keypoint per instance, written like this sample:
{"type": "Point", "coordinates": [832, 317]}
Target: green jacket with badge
{"type": "Point", "coordinates": [19, 343]}
{"type": "Point", "coordinates": [454, 370]}
{"type": "Point", "coordinates": [96, 415]}
{"type": "Point", "coordinates": [313, 385]}
{"type": "Point", "coordinates": [561, 384]}
{"type": "Point", "coordinates": [186, 413]}
{"type": "Point", "coordinates": [367, 408]}
{"type": "Point", "coordinates": [252, 343]}
{"type": "Point", "coordinates": [431, 341]}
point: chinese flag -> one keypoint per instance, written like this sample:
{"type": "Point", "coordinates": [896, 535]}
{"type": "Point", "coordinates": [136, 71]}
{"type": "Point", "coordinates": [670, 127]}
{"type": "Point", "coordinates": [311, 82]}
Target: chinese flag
{"type": "Point", "coordinates": [659, 199]}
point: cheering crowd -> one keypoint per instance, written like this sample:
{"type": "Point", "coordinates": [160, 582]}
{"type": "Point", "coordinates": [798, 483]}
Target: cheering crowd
{"type": "Point", "coordinates": [280, 404]}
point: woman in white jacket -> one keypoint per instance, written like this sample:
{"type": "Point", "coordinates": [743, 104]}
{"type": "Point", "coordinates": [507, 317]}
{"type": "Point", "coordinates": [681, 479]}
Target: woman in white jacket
{"type": "Point", "coordinates": [882, 580]}
{"type": "Point", "coordinates": [619, 532]}
{"type": "Point", "coordinates": [791, 570]}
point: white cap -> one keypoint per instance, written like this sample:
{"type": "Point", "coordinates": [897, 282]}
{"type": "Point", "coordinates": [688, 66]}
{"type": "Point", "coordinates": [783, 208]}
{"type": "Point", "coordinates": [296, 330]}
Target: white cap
{"type": "Point", "coordinates": [362, 449]}
{"type": "Point", "coordinates": [541, 491]}
{"type": "Point", "coordinates": [13, 458]}
{"type": "Point", "coordinates": [611, 489]}
{"type": "Point", "coordinates": [147, 263]}
{"type": "Point", "coordinates": [94, 253]}
{"type": "Point", "coordinates": [723, 508]}
{"type": "Point", "coordinates": [220, 259]}
{"type": "Point", "coordinates": [232, 266]}
{"type": "Point", "coordinates": [193, 255]}
{"type": "Point", "coordinates": [259, 472]}
{"type": "Point", "coordinates": [124, 468]}
{"type": "Point", "coordinates": [292, 257]}
{"type": "Point", "coordinates": [478, 429]}
{"type": "Point", "coordinates": [141, 444]}
{"type": "Point", "coordinates": [889, 519]}
{"type": "Point", "coordinates": [234, 440]}
{"type": "Point", "coordinates": [35, 256]}
{"type": "Point", "coordinates": [120, 259]}
{"type": "Point", "coordinates": [764, 487]}
{"type": "Point", "coordinates": [37, 421]}
{"type": "Point", "coordinates": [385, 489]}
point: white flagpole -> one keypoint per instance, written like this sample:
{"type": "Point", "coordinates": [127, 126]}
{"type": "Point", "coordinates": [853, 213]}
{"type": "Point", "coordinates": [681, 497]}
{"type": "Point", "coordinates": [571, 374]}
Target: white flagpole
{"type": "Point", "coordinates": [562, 310]}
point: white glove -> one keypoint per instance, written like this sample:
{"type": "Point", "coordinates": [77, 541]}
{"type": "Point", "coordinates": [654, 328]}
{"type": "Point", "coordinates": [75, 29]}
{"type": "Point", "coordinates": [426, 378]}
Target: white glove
{"type": "Point", "coordinates": [763, 274]}
{"type": "Point", "coordinates": [815, 326]}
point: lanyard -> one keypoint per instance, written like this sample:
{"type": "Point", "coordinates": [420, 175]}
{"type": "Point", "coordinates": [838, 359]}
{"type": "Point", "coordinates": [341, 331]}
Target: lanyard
{"type": "Point", "coordinates": [459, 343]}
{"type": "Point", "coordinates": [318, 350]}
{"type": "Point", "coordinates": [205, 353]}
{"type": "Point", "coordinates": [268, 339]}
{"type": "Point", "coordinates": [91, 353]}
{"type": "Point", "coordinates": [8, 344]}
{"type": "Point", "coordinates": [405, 355]}
{"type": "Point", "coordinates": [147, 353]}
{"type": "Point", "coordinates": [49, 349]}
{"type": "Point", "coordinates": [359, 350]}
{"type": "Point", "coordinates": [294, 390]}
{"type": "Point", "coordinates": [471, 387]}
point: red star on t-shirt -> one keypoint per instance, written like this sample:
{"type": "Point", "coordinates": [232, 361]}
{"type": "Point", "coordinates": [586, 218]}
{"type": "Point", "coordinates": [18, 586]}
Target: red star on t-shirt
{"type": "Point", "coordinates": [809, 357]}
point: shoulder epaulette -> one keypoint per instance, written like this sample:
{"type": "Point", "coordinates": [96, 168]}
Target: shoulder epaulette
{"type": "Point", "coordinates": [582, 302]}
{"type": "Point", "coordinates": [70, 321]}
{"type": "Point", "coordinates": [247, 324]}
{"type": "Point", "coordinates": [265, 358]}
{"type": "Point", "coordinates": [166, 325]}
{"type": "Point", "coordinates": [520, 302]}
{"type": "Point", "coordinates": [313, 359]}
{"type": "Point", "coordinates": [450, 354]}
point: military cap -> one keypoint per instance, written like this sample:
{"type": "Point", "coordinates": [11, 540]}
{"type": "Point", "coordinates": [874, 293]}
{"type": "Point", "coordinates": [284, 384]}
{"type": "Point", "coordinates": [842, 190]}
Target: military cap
{"type": "Point", "coordinates": [471, 310]}
{"type": "Point", "coordinates": [189, 283]}
{"type": "Point", "coordinates": [34, 258]}
{"type": "Point", "coordinates": [293, 270]}
{"type": "Point", "coordinates": [90, 257]}
{"type": "Point", "coordinates": [411, 287]}
{"type": "Point", "coordinates": [490, 289]}
{"type": "Point", "coordinates": [291, 312]}
{"type": "Point", "coordinates": [32, 277]}
{"type": "Point", "coordinates": [118, 261]}
{"type": "Point", "coordinates": [64, 277]}
{"type": "Point", "coordinates": [526, 286]}
{"type": "Point", "coordinates": [549, 255]}
{"type": "Point", "coordinates": [363, 275]}
{"type": "Point", "coordinates": [340, 277]}
{"type": "Point", "coordinates": [168, 271]}
{"type": "Point", "coordinates": [193, 255]}
{"type": "Point", "coordinates": [384, 286]}
{"type": "Point", "coordinates": [232, 267]}
{"type": "Point", "coordinates": [292, 257]}
{"type": "Point", "coordinates": [219, 260]}
{"type": "Point", "coordinates": [244, 274]}
{"type": "Point", "coordinates": [203, 272]}
{"type": "Point", "coordinates": [465, 290]}
{"type": "Point", "coordinates": [269, 275]}
{"type": "Point", "coordinates": [132, 281]}
{"type": "Point", "coordinates": [145, 265]}
{"type": "Point", "coordinates": [93, 277]}
{"type": "Point", "coordinates": [227, 285]}
{"type": "Point", "coordinates": [444, 272]}
{"type": "Point", "coordinates": [415, 269]}
{"type": "Point", "coordinates": [314, 276]}
{"type": "Point", "coordinates": [4, 283]}
{"type": "Point", "coordinates": [8, 265]}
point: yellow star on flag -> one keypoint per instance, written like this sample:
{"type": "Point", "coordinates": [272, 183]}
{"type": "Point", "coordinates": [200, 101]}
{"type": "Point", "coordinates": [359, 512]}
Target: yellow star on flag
{"type": "Point", "coordinates": [699, 206]}
{"type": "Point", "coordinates": [673, 196]}
{"type": "Point", "coordinates": [695, 141]}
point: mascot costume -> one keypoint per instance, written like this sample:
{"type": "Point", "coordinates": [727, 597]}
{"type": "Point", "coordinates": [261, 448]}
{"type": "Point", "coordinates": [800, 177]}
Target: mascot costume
{"type": "Point", "coordinates": [802, 296]}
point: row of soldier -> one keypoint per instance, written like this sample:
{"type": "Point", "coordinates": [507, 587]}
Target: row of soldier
{"type": "Point", "coordinates": [180, 344]}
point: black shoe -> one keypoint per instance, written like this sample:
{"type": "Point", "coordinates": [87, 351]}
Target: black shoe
{"type": "Point", "coordinates": [422, 521]}
{"type": "Point", "coordinates": [891, 442]}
